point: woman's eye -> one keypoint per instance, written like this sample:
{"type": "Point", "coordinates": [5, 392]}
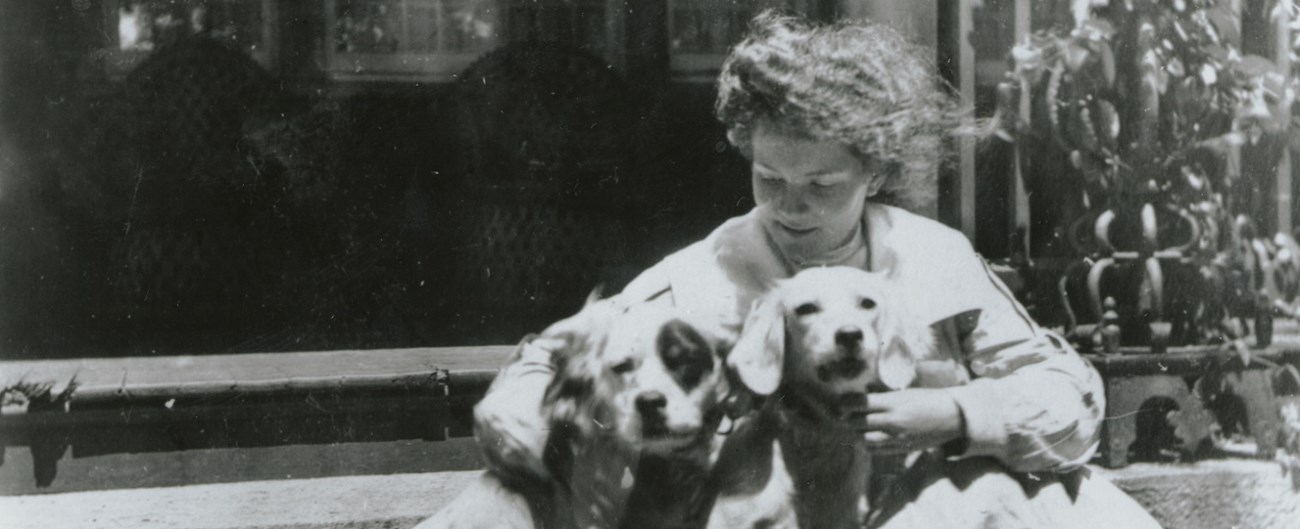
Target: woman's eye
{"type": "Point", "coordinates": [821, 184]}
{"type": "Point", "coordinates": [806, 309]}
{"type": "Point", "coordinates": [868, 303]}
{"type": "Point", "coordinates": [623, 367]}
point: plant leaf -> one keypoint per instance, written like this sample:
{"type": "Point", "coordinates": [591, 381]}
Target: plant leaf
{"type": "Point", "coordinates": [1175, 68]}
{"type": "Point", "coordinates": [1209, 74]}
{"type": "Point", "coordinates": [1256, 66]}
{"type": "Point", "coordinates": [1087, 135]}
{"type": "Point", "coordinates": [1225, 22]}
{"type": "Point", "coordinates": [1075, 56]}
{"type": "Point", "coordinates": [1243, 351]}
{"type": "Point", "coordinates": [1053, 89]}
{"type": "Point", "coordinates": [1082, 11]}
{"type": "Point", "coordinates": [1108, 122]}
{"type": "Point", "coordinates": [1102, 28]}
{"type": "Point", "coordinates": [1107, 63]}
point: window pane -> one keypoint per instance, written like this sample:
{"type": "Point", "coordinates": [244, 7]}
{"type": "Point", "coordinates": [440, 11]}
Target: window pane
{"type": "Point", "coordinates": [143, 25]}
{"type": "Point", "coordinates": [414, 26]}
{"type": "Point", "coordinates": [712, 26]}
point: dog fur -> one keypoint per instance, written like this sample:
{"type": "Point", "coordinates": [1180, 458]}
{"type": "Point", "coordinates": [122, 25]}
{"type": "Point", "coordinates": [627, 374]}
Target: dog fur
{"type": "Point", "coordinates": [815, 346]}
{"type": "Point", "coordinates": [632, 411]}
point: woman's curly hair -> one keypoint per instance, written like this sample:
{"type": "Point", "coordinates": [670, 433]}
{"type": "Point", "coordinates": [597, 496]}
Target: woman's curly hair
{"type": "Point", "coordinates": [859, 83]}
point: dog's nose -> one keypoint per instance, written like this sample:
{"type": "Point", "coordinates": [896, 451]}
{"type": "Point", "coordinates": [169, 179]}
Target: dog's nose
{"type": "Point", "coordinates": [651, 402]}
{"type": "Point", "coordinates": [848, 336]}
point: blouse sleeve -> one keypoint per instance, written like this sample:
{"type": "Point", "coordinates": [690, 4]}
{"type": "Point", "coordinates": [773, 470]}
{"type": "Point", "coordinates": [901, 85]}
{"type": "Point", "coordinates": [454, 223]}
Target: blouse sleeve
{"type": "Point", "coordinates": [509, 423]}
{"type": "Point", "coordinates": [1034, 402]}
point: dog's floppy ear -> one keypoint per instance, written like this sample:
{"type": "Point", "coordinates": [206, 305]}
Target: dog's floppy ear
{"type": "Point", "coordinates": [905, 344]}
{"type": "Point", "coordinates": [568, 397]}
{"type": "Point", "coordinates": [759, 354]}
{"type": "Point", "coordinates": [574, 343]}
{"type": "Point", "coordinates": [897, 364]}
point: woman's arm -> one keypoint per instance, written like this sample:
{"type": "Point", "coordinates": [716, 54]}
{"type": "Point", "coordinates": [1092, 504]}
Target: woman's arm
{"type": "Point", "coordinates": [509, 423]}
{"type": "Point", "coordinates": [1034, 403]}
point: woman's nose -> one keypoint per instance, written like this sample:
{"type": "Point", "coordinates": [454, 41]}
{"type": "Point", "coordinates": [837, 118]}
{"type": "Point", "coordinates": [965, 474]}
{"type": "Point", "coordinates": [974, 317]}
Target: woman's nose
{"type": "Point", "coordinates": [793, 201]}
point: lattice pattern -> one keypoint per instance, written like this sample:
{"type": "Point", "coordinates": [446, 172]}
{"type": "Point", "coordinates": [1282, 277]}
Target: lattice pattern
{"type": "Point", "coordinates": [542, 114]}
{"type": "Point", "coordinates": [189, 104]}
{"type": "Point", "coordinates": [169, 271]}
{"type": "Point", "coordinates": [531, 258]}
{"type": "Point", "coordinates": [546, 132]}
{"type": "Point", "coordinates": [195, 241]}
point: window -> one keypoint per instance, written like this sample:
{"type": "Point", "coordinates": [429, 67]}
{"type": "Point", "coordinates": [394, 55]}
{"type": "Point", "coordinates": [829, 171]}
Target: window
{"type": "Point", "coordinates": [140, 26]}
{"type": "Point", "coordinates": [701, 31]}
{"type": "Point", "coordinates": [395, 39]}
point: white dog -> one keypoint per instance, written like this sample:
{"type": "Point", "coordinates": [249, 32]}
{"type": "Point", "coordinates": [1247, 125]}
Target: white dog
{"type": "Point", "coordinates": [817, 345]}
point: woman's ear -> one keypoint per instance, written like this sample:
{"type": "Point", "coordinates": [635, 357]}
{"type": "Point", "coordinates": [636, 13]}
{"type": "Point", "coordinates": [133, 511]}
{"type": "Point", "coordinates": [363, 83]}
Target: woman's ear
{"type": "Point", "coordinates": [875, 182]}
{"type": "Point", "coordinates": [759, 354]}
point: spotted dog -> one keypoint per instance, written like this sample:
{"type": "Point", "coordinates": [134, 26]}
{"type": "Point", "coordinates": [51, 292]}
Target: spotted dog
{"type": "Point", "coordinates": [631, 411]}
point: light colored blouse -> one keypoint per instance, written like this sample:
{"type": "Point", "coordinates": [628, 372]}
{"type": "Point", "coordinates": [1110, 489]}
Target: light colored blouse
{"type": "Point", "coordinates": [1027, 398]}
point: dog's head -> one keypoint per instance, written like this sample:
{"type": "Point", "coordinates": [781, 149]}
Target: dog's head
{"type": "Point", "coordinates": [641, 373]}
{"type": "Point", "coordinates": [831, 335]}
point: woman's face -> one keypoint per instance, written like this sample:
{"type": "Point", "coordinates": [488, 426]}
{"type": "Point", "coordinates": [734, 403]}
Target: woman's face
{"type": "Point", "coordinates": [812, 192]}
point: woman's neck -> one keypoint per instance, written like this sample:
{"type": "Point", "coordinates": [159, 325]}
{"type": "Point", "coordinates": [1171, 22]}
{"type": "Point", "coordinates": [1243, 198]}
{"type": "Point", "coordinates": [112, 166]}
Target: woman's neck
{"type": "Point", "coordinates": [851, 252]}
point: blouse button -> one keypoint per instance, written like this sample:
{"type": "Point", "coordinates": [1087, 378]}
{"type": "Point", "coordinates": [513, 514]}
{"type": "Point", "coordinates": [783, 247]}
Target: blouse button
{"type": "Point", "coordinates": [978, 366]}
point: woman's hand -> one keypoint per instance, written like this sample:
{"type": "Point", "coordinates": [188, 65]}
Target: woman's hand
{"type": "Point", "coordinates": [910, 419]}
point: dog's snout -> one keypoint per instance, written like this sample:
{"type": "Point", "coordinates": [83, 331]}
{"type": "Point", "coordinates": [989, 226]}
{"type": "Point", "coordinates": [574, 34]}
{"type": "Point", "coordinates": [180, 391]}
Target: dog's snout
{"type": "Point", "coordinates": [848, 336]}
{"type": "Point", "coordinates": [651, 403]}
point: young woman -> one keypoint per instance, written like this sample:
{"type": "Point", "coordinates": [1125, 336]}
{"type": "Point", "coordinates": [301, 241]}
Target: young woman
{"type": "Point", "coordinates": [845, 126]}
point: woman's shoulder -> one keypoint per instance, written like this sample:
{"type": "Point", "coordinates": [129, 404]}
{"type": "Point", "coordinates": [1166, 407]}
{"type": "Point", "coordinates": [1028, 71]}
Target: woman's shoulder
{"type": "Point", "coordinates": [899, 235]}
{"type": "Point", "coordinates": [901, 223]}
{"type": "Point", "coordinates": [718, 272]}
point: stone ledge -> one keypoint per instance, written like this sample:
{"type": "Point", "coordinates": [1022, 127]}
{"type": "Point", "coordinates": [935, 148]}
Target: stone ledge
{"type": "Point", "coordinates": [1206, 495]}
{"type": "Point", "coordinates": [1216, 494]}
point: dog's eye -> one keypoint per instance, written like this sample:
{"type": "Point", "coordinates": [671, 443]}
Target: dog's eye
{"type": "Point", "coordinates": [624, 367]}
{"type": "Point", "coordinates": [868, 303]}
{"type": "Point", "coordinates": [806, 309]}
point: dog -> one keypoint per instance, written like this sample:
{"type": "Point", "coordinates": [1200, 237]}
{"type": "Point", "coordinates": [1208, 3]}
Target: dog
{"type": "Point", "coordinates": [632, 411]}
{"type": "Point", "coordinates": [814, 347]}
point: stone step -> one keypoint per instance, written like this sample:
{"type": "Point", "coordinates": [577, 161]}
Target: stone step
{"type": "Point", "coordinates": [1206, 495]}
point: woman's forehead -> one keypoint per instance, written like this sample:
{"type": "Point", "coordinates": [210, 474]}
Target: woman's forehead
{"type": "Point", "coordinates": [780, 148]}
{"type": "Point", "coordinates": [779, 151]}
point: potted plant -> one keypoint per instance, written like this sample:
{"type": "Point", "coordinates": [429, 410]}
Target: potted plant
{"type": "Point", "coordinates": [1151, 102]}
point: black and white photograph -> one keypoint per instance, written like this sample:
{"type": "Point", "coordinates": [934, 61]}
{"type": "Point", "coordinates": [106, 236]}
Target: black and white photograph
{"type": "Point", "coordinates": [649, 264]}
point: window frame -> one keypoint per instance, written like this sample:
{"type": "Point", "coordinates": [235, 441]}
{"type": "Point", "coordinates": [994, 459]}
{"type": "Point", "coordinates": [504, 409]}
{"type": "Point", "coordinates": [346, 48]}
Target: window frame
{"type": "Point", "coordinates": [119, 62]}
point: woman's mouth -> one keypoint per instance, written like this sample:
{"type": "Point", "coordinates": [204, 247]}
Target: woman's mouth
{"type": "Point", "coordinates": [796, 231]}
